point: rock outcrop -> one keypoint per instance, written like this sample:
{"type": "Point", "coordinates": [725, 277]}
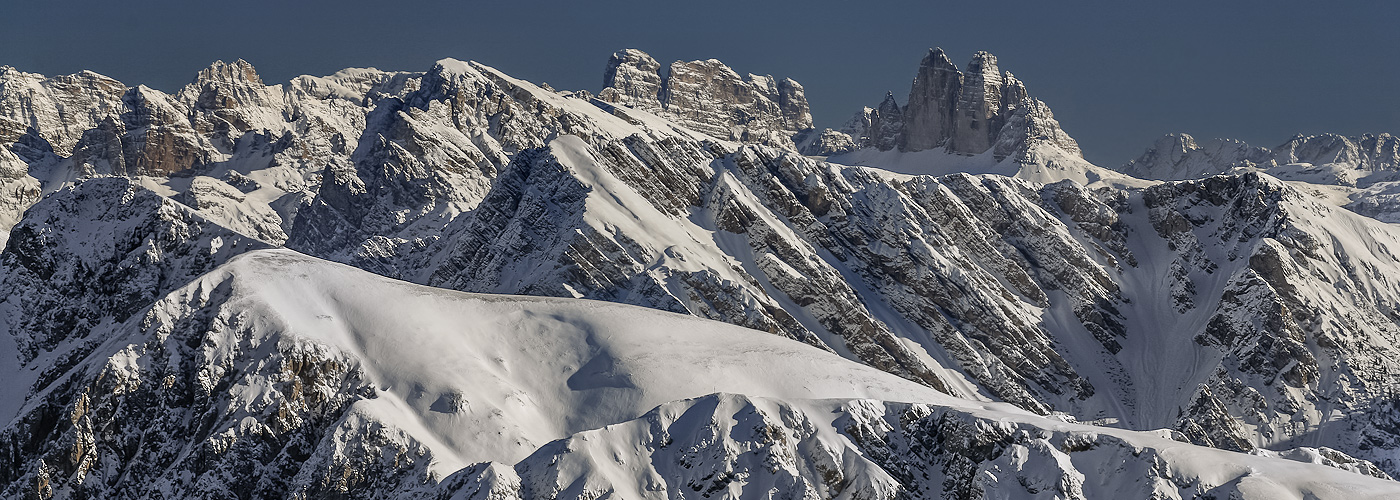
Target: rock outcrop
{"type": "Point", "coordinates": [1235, 309]}
{"type": "Point", "coordinates": [633, 79]}
{"type": "Point", "coordinates": [965, 113]}
{"type": "Point", "coordinates": [1367, 153]}
{"type": "Point", "coordinates": [278, 375]}
{"type": "Point", "coordinates": [1179, 157]}
{"type": "Point", "coordinates": [709, 97]}
{"type": "Point", "coordinates": [1321, 159]}
{"type": "Point", "coordinates": [932, 104]}
{"type": "Point", "coordinates": [732, 446]}
{"type": "Point", "coordinates": [57, 110]}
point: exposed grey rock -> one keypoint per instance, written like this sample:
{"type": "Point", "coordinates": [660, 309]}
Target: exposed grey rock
{"type": "Point", "coordinates": [928, 118]}
{"type": "Point", "coordinates": [825, 143]}
{"type": "Point", "coordinates": [633, 78]}
{"type": "Point", "coordinates": [732, 446]}
{"type": "Point", "coordinates": [228, 99]}
{"type": "Point", "coordinates": [179, 422]}
{"type": "Point", "coordinates": [1179, 157]}
{"type": "Point", "coordinates": [57, 109]}
{"type": "Point", "coordinates": [1042, 295]}
{"type": "Point", "coordinates": [1367, 153]}
{"type": "Point", "coordinates": [99, 253]}
{"type": "Point", "coordinates": [1330, 159]}
{"type": "Point", "coordinates": [966, 113]}
{"type": "Point", "coordinates": [18, 190]}
{"type": "Point", "coordinates": [887, 125]}
{"type": "Point", "coordinates": [154, 137]}
{"type": "Point", "coordinates": [977, 117]}
{"type": "Point", "coordinates": [1030, 124]}
{"type": "Point", "coordinates": [710, 97]}
{"type": "Point", "coordinates": [229, 205]}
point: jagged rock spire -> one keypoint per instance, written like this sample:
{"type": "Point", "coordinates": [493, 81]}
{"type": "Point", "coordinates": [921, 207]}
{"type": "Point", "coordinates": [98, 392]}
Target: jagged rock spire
{"type": "Point", "coordinates": [963, 112]}
{"type": "Point", "coordinates": [977, 115]}
{"type": "Point", "coordinates": [886, 124]}
{"type": "Point", "coordinates": [928, 119]}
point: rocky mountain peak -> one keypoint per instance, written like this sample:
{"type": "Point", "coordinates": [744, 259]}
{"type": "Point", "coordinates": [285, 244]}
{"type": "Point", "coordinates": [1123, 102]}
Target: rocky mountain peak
{"type": "Point", "coordinates": [792, 100]}
{"type": "Point", "coordinates": [964, 112]}
{"type": "Point", "coordinates": [1366, 152]}
{"type": "Point", "coordinates": [1335, 159]}
{"type": "Point", "coordinates": [157, 348]}
{"type": "Point", "coordinates": [886, 123]}
{"type": "Point", "coordinates": [632, 78]}
{"type": "Point", "coordinates": [929, 115]}
{"type": "Point", "coordinates": [53, 112]}
{"type": "Point", "coordinates": [236, 71]}
{"type": "Point", "coordinates": [630, 57]}
{"type": "Point", "coordinates": [937, 59]}
{"type": "Point", "coordinates": [1013, 92]}
{"type": "Point", "coordinates": [1175, 146]}
{"type": "Point", "coordinates": [710, 97]}
{"type": "Point", "coordinates": [443, 74]}
{"type": "Point", "coordinates": [979, 113]}
{"type": "Point", "coordinates": [1178, 156]}
{"type": "Point", "coordinates": [982, 62]}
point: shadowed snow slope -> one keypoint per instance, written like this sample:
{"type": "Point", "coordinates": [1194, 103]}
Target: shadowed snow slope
{"type": "Point", "coordinates": [279, 374]}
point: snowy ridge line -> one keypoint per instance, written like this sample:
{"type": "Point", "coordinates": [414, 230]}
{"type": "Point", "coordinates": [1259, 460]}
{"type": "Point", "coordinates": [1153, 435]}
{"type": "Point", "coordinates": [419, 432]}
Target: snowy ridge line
{"type": "Point", "coordinates": [1244, 311]}
{"type": "Point", "coordinates": [293, 355]}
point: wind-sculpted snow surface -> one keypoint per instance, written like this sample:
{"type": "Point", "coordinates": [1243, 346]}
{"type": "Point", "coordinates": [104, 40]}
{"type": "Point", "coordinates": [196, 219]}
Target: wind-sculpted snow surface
{"type": "Point", "coordinates": [279, 375]}
{"type": "Point", "coordinates": [735, 446]}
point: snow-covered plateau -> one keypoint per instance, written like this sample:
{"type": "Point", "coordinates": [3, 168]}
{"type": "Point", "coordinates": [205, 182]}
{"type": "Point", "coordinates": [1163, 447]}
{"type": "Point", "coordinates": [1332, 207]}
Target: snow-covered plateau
{"type": "Point", "coordinates": [458, 284]}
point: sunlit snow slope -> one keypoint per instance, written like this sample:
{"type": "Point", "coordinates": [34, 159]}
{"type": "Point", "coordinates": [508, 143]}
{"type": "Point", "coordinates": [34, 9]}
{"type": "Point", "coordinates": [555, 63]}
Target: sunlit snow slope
{"type": "Point", "coordinates": [279, 373]}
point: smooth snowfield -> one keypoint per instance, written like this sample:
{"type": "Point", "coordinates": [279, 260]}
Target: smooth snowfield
{"type": "Point", "coordinates": [492, 378]}
{"type": "Point", "coordinates": [1050, 165]}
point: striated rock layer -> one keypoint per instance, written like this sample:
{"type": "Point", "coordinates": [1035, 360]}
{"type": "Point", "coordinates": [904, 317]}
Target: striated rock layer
{"type": "Point", "coordinates": [709, 97]}
{"type": "Point", "coordinates": [278, 375]}
{"type": "Point", "coordinates": [959, 112]}
{"type": "Point", "coordinates": [1238, 310]}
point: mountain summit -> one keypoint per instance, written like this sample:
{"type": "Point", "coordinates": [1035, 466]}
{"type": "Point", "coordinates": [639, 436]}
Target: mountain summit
{"type": "Point", "coordinates": [710, 97]}
{"type": "Point", "coordinates": [453, 283]}
{"type": "Point", "coordinates": [961, 112]}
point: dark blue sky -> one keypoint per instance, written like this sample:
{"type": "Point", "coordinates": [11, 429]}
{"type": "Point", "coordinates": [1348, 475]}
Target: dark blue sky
{"type": "Point", "coordinates": [1117, 74]}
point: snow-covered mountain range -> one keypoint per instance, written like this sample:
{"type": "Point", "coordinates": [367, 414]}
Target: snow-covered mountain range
{"type": "Point", "coordinates": [191, 306]}
{"type": "Point", "coordinates": [1359, 173]}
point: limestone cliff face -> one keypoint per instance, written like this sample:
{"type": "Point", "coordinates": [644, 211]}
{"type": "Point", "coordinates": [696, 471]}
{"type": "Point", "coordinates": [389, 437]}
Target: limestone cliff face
{"type": "Point", "coordinates": [55, 111]}
{"type": "Point", "coordinates": [928, 122]}
{"type": "Point", "coordinates": [1181, 157]}
{"type": "Point", "coordinates": [886, 124]}
{"type": "Point", "coordinates": [710, 97]}
{"type": "Point", "coordinates": [1236, 310]}
{"type": "Point", "coordinates": [963, 112]}
{"type": "Point", "coordinates": [1368, 153]}
{"type": "Point", "coordinates": [228, 99]}
{"type": "Point", "coordinates": [1360, 161]}
{"type": "Point", "coordinates": [633, 79]}
{"type": "Point", "coordinates": [978, 114]}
